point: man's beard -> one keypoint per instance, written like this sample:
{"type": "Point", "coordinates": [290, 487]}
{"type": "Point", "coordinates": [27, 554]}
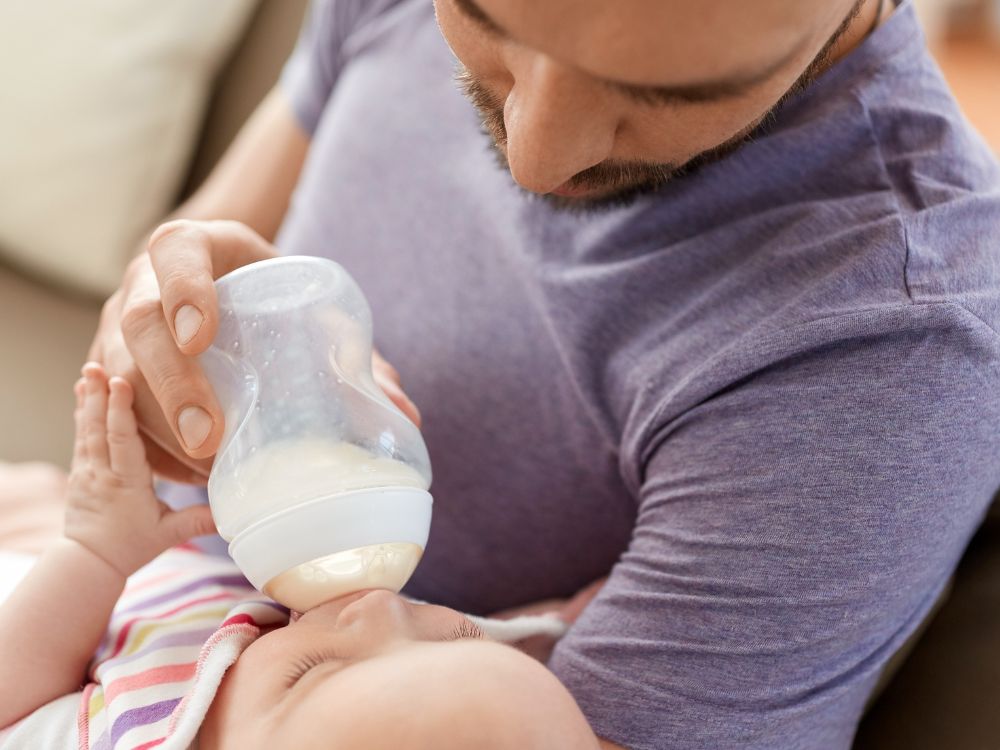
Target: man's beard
{"type": "Point", "coordinates": [619, 182]}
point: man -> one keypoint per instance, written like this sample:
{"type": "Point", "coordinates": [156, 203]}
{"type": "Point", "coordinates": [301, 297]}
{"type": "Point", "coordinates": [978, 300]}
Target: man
{"type": "Point", "coordinates": [711, 305]}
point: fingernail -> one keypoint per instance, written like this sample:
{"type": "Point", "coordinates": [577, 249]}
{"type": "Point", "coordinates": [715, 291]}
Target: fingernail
{"type": "Point", "coordinates": [414, 407]}
{"type": "Point", "coordinates": [187, 321]}
{"type": "Point", "coordinates": [194, 424]}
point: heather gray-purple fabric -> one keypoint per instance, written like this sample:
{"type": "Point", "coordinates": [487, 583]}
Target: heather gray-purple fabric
{"type": "Point", "coordinates": [766, 399]}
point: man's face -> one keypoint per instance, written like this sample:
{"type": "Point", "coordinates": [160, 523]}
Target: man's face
{"type": "Point", "coordinates": [592, 102]}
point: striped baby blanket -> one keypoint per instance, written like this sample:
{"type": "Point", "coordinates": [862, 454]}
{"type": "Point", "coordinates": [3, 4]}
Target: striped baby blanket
{"type": "Point", "coordinates": [181, 622]}
{"type": "Point", "coordinates": [179, 625]}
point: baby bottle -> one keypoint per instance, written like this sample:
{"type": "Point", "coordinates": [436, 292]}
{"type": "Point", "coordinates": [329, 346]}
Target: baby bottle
{"type": "Point", "coordinates": [320, 484]}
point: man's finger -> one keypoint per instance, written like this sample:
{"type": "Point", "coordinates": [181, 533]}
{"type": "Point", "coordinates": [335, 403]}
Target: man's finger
{"type": "Point", "coordinates": [175, 380]}
{"type": "Point", "coordinates": [181, 256]}
{"type": "Point", "coordinates": [174, 464]}
{"type": "Point", "coordinates": [187, 257]}
{"type": "Point", "coordinates": [399, 398]}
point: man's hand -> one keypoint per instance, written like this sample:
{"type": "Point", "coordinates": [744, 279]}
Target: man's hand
{"type": "Point", "coordinates": [153, 327]}
{"type": "Point", "coordinates": [162, 317]}
{"type": "Point", "coordinates": [540, 646]}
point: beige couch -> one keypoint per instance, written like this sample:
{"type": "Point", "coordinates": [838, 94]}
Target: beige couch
{"type": "Point", "coordinates": [45, 330]}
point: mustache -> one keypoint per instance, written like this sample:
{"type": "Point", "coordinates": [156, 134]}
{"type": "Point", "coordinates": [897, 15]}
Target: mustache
{"type": "Point", "coordinates": [621, 181]}
{"type": "Point", "coordinates": [607, 174]}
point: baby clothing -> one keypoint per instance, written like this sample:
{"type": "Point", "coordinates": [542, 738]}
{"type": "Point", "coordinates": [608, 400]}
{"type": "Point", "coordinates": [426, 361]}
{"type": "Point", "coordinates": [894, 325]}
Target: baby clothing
{"type": "Point", "coordinates": [180, 623]}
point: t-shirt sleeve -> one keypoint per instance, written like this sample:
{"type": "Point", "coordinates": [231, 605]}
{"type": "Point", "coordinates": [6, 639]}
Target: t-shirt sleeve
{"type": "Point", "coordinates": [794, 527]}
{"type": "Point", "coordinates": [310, 74]}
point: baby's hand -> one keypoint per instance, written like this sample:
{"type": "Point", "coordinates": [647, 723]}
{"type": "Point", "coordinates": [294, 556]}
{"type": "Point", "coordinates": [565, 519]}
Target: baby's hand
{"type": "Point", "coordinates": [111, 508]}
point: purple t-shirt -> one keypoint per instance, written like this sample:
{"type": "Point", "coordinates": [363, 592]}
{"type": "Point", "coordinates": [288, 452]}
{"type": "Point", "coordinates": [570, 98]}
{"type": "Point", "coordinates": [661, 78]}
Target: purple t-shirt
{"type": "Point", "coordinates": [766, 398]}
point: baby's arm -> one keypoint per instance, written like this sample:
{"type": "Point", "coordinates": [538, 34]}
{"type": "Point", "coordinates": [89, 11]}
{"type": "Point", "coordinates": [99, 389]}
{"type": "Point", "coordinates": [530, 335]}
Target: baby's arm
{"type": "Point", "coordinates": [53, 621]}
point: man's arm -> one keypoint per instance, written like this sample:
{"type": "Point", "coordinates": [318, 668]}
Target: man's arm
{"type": "Point", "coordinates": [254, 180]}
{"type": "Point", "coordinates": [794, 526]}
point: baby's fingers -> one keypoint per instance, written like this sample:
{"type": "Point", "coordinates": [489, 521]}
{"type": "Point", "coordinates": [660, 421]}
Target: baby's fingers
{"type": "Point", "coordinates": [95, 410]}
{"type": "Point", "coordinates": [181, 525]}
{"type": "Point", "coordinates": [125, 451]}
{"type": "Point", "coordinates": [79, 441]}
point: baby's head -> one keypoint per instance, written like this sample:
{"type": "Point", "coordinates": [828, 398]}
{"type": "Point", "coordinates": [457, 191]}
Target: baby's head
{"type": "Point", "coordinates": [370, 671]}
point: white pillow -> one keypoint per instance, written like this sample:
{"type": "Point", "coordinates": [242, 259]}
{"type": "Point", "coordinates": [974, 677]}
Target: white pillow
{"type": "Point", "coordinates": [100, 107]}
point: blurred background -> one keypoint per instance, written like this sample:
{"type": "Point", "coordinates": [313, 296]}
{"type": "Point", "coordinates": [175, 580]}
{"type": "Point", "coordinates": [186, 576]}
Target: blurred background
{"type": "Point", "coordinates": [112, 112]}
{"type": "Point", "coordinates": [964, 36]}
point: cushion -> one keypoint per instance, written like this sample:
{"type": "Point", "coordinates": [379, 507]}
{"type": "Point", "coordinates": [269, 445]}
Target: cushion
{"type": "Point", "coordinates": [102, 103]}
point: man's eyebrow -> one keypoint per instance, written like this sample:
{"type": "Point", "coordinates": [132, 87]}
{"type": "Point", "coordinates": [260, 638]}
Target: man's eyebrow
{"type": "Point", "coordinates": [688, 92]}
{"type": "Point", "coordinates": [706, 91]}
{"type": "Point", "coordinates": [474, 13]}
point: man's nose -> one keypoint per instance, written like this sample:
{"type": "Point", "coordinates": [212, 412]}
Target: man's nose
{"type": "Point", "coordinates": [556, 124]}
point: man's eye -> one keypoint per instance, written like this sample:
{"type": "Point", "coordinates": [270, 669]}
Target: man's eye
{"type": "Point", "coordinates": [466, 629]}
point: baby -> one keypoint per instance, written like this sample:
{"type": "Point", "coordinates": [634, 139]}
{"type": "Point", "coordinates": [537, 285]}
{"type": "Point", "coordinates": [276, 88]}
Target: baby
{"type": "Point", "coordinates": [365, 671]}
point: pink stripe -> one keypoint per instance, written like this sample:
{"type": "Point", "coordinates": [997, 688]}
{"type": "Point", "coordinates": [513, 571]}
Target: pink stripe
{"type": "Point", "coordinates": [246, 633]}
{"type": "Point", "coordinates": [129, 590]}
{"type": "Point", "coordinates": [145, 584]}
{"type": "Point", "coordinates": [83, 718]}
{"type": "Point", "coordinates": [151, 743]}
{"type": "Point", "coordinates": [148, 678]}
{"type": "Point", "coordinates": [240, 619]}
{"type": "Point", "coordinates": [127, 627]}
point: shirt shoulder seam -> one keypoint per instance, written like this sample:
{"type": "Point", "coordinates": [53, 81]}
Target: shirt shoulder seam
{"type": "Point", "coordinates": [897, 207]}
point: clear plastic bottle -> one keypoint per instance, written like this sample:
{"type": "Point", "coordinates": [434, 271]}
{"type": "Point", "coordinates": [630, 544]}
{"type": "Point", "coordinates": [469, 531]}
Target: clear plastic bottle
{"type": "Point", "coordinates": [320, 484]}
